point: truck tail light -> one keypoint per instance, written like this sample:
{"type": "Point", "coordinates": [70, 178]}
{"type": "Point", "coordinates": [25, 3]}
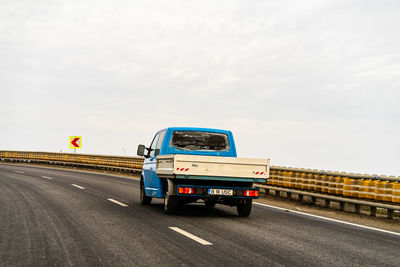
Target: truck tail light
{"type": "Point", "coordinates": [250, 193]}
{"type": "Point", "coordinates": [186, 190]}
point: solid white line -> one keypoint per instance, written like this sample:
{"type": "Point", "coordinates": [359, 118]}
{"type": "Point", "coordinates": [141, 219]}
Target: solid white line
{"type": "Point", "coordinates": [78, 186]}
{"type": "Point", "coordinates": [18, 172]}
{"type": "Point", "coordinates": [329, 219]}
{"type": "Point", "coordinates": [46, 177]}
{"type": "Point", "coordinates": [117, 202]}
{"type": "Point", "coordinates": [193, 237]}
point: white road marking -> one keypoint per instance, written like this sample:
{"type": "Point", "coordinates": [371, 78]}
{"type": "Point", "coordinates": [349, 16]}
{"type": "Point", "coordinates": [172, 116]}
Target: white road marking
{"type": "Point", "coordinates": [78, 186]}
{"type": "Point", "coordinates": [189, 235]}
{"type": "Point", "coordinates": [46, 177]}
{"type": "Point", "coordinates": [18, 172]}
{"type": "Point", "coordinates": [117, 202]}
{"type": "Point", "coordinates": [329, 219]}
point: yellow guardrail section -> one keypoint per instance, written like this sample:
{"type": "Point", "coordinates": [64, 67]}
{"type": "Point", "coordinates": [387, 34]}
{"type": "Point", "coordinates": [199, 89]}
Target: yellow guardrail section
{"type": "Point", "coordinates": [372, 187]}
{"type": "Point", "coordinates": [117, 161]}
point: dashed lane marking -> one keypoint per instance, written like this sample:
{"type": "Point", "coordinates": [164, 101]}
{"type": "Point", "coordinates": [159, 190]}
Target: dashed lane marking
{"type": "Point", "coordinates": [117, 202]}
{"type": "Point", "coordinates": [19, 172]}
{"type": "Point", "coordinates": [189, 235]}
{"type": "Point", "coordinates": [78, 186]}
{"type": "Point", "coordinates": [46, 177]}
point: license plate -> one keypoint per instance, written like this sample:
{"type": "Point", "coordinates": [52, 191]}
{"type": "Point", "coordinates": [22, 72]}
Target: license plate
{"type": "Point", "coordinates": [221, 192]}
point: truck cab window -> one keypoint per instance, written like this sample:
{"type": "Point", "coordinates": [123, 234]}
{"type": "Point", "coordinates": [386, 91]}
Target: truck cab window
{"type": "Point", "coordinates": [160, 140]}
{"type": "Point", "coordinates": [191, 140]}
{"type": "Point", "coordinates": [153, 145]}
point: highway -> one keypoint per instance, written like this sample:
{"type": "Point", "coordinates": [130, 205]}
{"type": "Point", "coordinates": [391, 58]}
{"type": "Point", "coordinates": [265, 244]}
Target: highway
{"type": "Point", "coordinates": [58, 217]}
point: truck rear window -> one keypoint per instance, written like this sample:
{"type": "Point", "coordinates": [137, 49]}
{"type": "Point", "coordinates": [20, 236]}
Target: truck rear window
{"type": "Point", "coordinates": [191, 140]}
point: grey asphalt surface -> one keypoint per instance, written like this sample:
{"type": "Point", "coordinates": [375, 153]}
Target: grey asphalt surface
{"type": "Point", "coordinates": [49, 222]}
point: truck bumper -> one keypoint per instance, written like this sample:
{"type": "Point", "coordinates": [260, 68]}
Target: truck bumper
{"type": "Point", "coordinates": [202, 191]}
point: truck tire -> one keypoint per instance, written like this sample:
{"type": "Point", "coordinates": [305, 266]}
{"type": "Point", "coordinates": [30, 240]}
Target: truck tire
{"type": "Point", "coordinates": [244, 207]}
{"type": "Point", "coordinates": [171, 203]}
{"type": "Point", "coordinates": [144, 200]}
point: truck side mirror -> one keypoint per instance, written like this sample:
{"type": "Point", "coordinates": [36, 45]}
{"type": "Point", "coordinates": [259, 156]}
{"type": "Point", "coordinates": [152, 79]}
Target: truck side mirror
{"type": "Point", "coordinates": [157, 152]}
{"type": "Point", "coordinates": [140, 150]}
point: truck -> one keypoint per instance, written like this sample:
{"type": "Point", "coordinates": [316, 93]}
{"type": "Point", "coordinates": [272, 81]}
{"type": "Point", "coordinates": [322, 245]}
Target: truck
{"type": "Point", "coordinates": [184, 165]}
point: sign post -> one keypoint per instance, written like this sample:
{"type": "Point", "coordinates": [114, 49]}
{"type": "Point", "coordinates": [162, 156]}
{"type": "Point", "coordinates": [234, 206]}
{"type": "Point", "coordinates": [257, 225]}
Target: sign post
{"type": "Point", "coordinates": [75, 142]}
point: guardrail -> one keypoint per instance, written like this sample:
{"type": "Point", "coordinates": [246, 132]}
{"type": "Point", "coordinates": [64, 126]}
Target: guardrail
{"type": "Point", "coordinates": [117, 161]}
{"type": "Point", "coordinates": [371, 187]}
{"type": "Point", "coordinates": [375, 188]}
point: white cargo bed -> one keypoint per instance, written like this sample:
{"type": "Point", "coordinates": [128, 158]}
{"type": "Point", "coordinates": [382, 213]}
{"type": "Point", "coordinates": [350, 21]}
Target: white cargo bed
{"type": "Point", "coordinates": [211, 166]}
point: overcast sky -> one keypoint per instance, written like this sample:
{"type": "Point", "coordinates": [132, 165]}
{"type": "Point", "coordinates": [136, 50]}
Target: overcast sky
{"type": "Point", "coordinates": [313, 84]}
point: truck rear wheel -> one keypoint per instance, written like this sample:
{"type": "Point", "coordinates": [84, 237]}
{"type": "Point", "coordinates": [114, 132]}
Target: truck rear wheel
{"type": "Point", "coordinates": [144, 200]}
{"type": "Point", "coordinates": [171, 203]}
{"type": "Point", "coordinates": [244, 207]}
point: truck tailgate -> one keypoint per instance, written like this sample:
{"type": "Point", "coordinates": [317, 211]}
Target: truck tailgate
{"type": "Point", "coordinates": [212, 166]}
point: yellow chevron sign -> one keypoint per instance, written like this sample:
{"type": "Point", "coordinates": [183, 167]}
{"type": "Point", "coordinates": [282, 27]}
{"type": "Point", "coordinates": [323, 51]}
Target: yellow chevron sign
{"type": "Point", "coordinates": [75, 142]}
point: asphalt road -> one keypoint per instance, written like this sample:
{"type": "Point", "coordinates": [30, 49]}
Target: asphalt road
{"type": "Point", "coordinates": [53, 217]}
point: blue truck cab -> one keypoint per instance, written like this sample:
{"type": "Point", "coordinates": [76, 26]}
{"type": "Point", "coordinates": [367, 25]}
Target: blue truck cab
{"type": "Point", "coordinates": [178, 189]}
